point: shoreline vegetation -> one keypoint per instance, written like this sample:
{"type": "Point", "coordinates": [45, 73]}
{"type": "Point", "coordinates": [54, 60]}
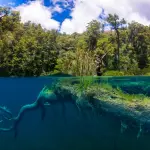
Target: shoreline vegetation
{"type": "Point", "coordinates": [28, 50]}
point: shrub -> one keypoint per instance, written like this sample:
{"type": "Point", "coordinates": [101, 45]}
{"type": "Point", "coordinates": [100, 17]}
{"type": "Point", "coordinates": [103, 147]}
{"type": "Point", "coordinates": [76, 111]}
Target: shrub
{"type": "Point", "coordinates": [147, 74]}
{"type": "Point", "coordinates": [113, 73]}
{"type": "Point", "coordinates": [78, 63]}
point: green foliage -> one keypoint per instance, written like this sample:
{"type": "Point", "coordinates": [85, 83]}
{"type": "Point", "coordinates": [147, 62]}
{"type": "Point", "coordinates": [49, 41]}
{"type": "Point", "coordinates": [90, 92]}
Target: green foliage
{"type": "Point", "coordinates": [93, 31]}
{"type": "Point", "coordinates": [139, 38]}
{"type": "Point", "coordinates": [78, 63]}
{"type": "Point", "coordinates": [129, 97]}
{"type": "Point", "coordinates": [145, 71]}
{"type": "Point", "coordinates": [25, 50]}
{"type": "Point", "coordinates": [113, 73]}
{"type": "Point", "coordinates": [88, 88]}
{"type": "Point", "coordinates": [104, 53]}
{"type": "Point", "coordinates": [29, 50]}
{"type": "Point", "coordinates": [84, 83]}
{"type": "Point", "coordinates": [116, 24]}
{"type": "Point", "coordinates": [147, 74]}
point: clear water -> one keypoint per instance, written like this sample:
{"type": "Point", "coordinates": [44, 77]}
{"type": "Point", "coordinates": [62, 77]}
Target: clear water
{"type": "Point", "coordinates": [72, 133]}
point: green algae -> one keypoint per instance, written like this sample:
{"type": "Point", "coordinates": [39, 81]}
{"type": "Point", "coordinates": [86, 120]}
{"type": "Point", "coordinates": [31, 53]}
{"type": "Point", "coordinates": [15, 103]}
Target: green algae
{"type": "Point", "coordinates": [133, 110]}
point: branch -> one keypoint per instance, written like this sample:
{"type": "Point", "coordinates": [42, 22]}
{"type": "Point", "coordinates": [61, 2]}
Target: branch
{"type": "Point", "coordinates": [44, 99]}
{"type": "Point", "coordinates": [39, 103]}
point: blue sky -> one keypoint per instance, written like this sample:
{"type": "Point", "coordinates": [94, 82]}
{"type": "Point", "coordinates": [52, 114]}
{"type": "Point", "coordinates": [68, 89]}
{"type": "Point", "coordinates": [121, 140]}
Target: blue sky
{"type": "Point", "coordinates": [48, 3]}
{"type": "Point", "coordinates": [73, 15]}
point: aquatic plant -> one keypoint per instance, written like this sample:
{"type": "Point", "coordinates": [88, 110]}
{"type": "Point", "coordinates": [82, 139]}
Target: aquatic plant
{"type": "Point", "coordinates": [84, 83]}
{"type": "Point", "coordinates": [102, 97]}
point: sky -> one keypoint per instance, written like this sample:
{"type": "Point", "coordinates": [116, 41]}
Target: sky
{"type": "Point", "coordinates": [71, 16]}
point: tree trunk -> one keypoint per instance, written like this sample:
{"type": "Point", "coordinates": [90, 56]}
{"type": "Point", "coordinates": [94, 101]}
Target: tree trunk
{"type": "Point", "coordinates": [99, 64]}
{"type": "Point", "coordinates": [117, 52]}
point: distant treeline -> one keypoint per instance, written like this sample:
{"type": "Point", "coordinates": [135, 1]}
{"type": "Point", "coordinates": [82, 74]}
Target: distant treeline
{"type": "Point", "coordinates": [29, 50]}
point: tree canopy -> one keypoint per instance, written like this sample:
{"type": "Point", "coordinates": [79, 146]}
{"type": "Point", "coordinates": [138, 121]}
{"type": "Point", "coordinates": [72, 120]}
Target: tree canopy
{"type": "Point", "coordinates": [29, 50]}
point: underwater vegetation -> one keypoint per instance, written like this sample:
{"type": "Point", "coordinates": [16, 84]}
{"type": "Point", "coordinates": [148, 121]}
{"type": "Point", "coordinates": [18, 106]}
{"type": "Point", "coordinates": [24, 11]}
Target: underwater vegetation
{"type": "Point", "coordinates": [132, 109]}
{"type": "Point", "coordinates": [89, 94]}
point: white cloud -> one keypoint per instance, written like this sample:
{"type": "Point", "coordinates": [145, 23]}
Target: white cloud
{"type": "Point", "coordinates": [87, 10]}
{"type": "Point", "coordinates": [37, 13]}
{"type": "Point", "coordinates": [56, 1]}
{"type": "Point", "coordinates": [11, 4]}
{"type": "Point", "coordinates": [57, 8]}
{"type": "Point", "coordinates": [128, 9]}
{"type": "Point", "coordinates": [64, 3]}
{"type": "Point", "coordinates": [82, 13]}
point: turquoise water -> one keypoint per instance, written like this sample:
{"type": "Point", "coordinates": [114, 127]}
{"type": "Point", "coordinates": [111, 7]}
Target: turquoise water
{"type": "Point", "coordinates": [57, 132]}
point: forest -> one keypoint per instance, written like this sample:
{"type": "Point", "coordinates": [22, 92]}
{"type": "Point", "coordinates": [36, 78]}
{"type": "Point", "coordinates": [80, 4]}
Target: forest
{"type": "Point", "coordinates": [29, 50]}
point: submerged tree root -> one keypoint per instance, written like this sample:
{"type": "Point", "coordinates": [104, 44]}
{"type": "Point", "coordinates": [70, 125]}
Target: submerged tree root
{"type": "Point", "coordinates": [61, 95]}
{"type": "Point", "coordinates": [45, 98]}
{"type": "Point", "coordinates": [40, 103]}
{"type": "Point", "coordinates": [5, 114]}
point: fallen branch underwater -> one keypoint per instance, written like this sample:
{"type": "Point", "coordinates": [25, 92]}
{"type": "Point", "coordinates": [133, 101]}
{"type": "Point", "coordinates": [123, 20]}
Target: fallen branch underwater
{"type": "Point", "coordinates": [42, 101]}
{"type": "Point", "coordinates": [5, 113]}
{"type": "Point", "coordinates": [45, 98]}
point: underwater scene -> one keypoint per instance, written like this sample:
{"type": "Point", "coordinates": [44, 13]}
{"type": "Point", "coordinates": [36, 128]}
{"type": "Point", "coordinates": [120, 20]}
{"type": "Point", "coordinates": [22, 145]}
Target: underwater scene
{"type": "Point", "coordinates": [75, 113]}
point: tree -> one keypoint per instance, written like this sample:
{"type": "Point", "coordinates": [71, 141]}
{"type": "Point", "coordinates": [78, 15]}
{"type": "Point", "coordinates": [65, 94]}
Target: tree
{"type": "Point", "coordinates": [78, 63]}
{"type": "Point", "coordinates": [139, 37]}
{"type": "Point", "coordinates": [4, 11]}
{"type": "Point", "coordinates": [93, 32]}
{"type": "Point", "coordinates": [116, 24]}
{"type": "Point", "coordinates": [104, 50]}
{"type": "Point", "coordinates": [29, 50]}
